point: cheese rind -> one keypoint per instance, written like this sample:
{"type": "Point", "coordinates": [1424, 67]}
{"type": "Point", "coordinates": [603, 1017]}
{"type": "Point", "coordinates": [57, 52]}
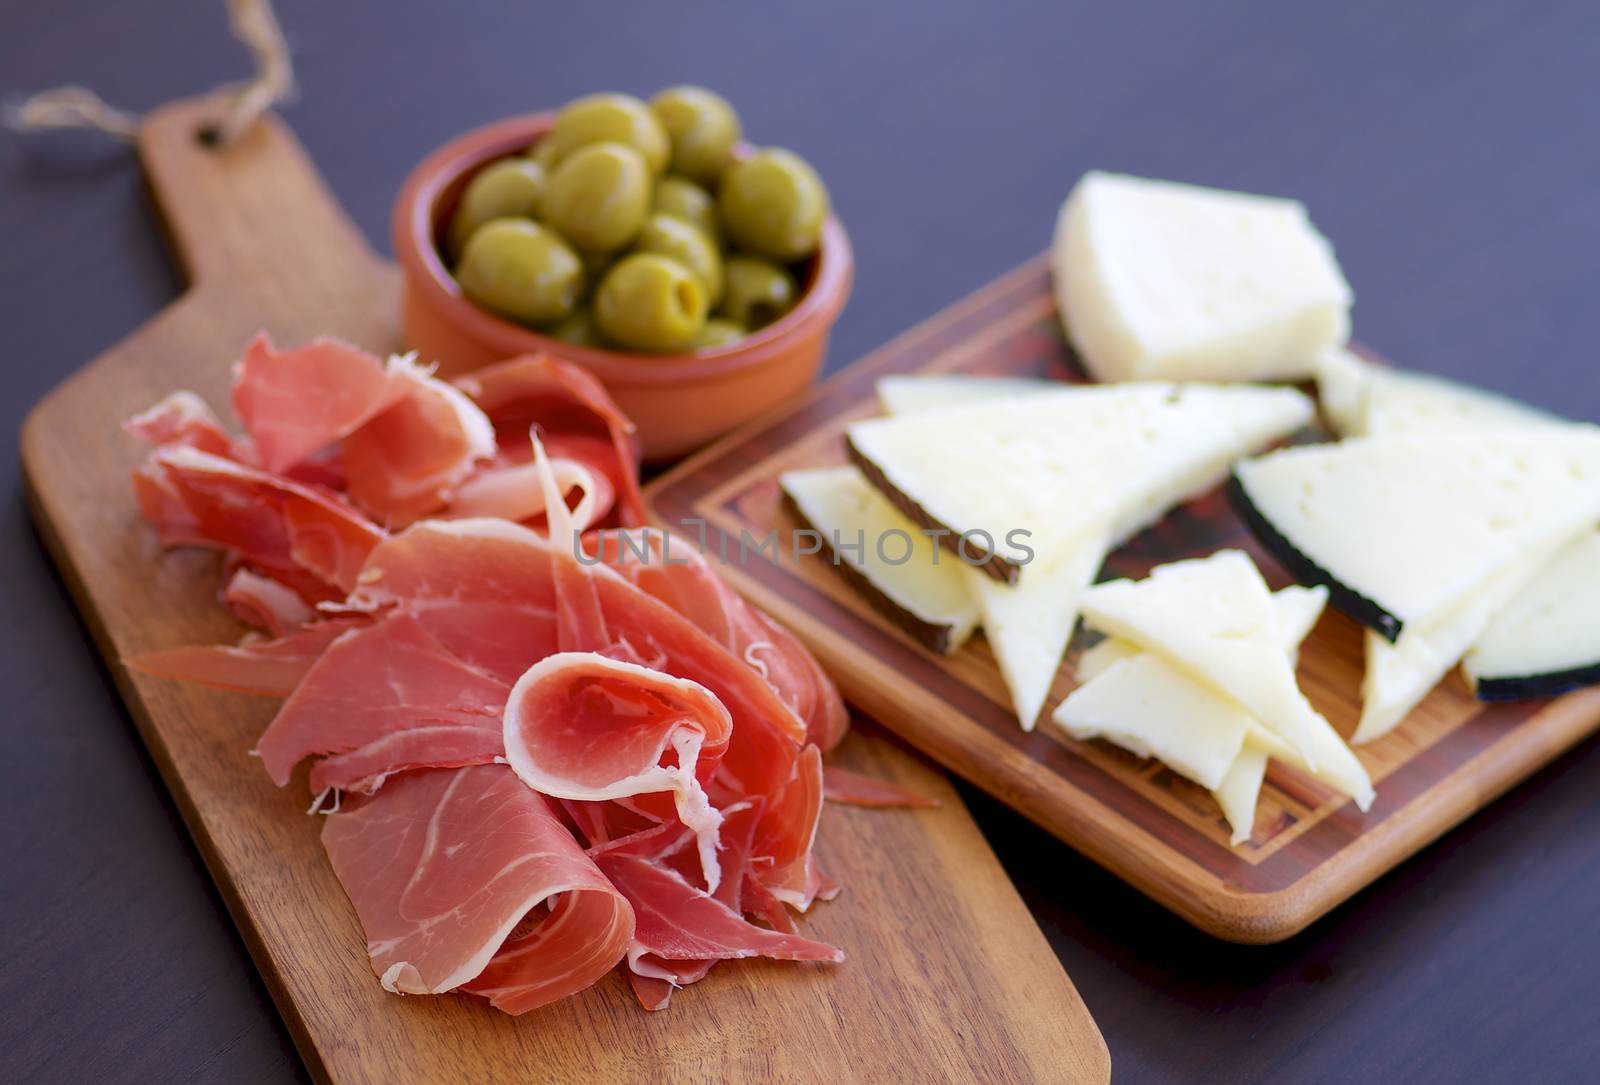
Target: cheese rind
{"type": "Point", "coordinates": [929, 589]}
{"type": "Point", "coordinates": [1156, 279]}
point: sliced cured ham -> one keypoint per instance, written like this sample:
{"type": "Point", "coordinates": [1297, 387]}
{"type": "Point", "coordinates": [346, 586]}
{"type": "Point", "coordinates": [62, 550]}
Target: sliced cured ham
{"type": "Point", "coordinates": [406, 460]}
{"type": "Point", "coordinates": [781, 856]}
{"type": "Point", "coordinates": [466, 879]}
{"type": "Point", "coordinates": [272, 668]}
{"type": "Point", "coordinates": [675, 571]}
{"type": "Point", "coordinates": [853, 788]}
{"type": "Point", "coordinates": [383, 699]}
{"type": "Point", "coordinates": [183, 418]}
{"type": "Point", "coordinates": [675, 921]}
{"type": "Point", "coordinates": [217, 502]}
{"type": "Point", "coordinates": [582, 726]}
{"type": "Point", "coordinates": [575, 416]}
{"type": "Point", "coordinates": [511, 491]}
{"type": "Point", "coordinates": [264, 603]}
{"type": "Point", "coordinates": [297, 402]}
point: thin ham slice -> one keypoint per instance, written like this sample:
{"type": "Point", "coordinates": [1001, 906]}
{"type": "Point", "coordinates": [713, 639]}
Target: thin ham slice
{"type": "Point", "coordinates": [853, 788]}
{"type": "Point", "coordinates": [213, 501]}
{"type": "Point", "coordinates": [383, 699]}
{"type": "Point", "coordinates": [676, 921]}
{"type": "Point", "coordinates": [574, 415]}
{"type": "Point", "coordinates": [675, 571]}
{"type": "Point", "coordinates": [782, 856]}
{"type": "Point", "coordinates": [264, 602]}
{"type": "Point", "coordinates": [271, 668]}
{"type": "Point", "coordinates": [405, 461]}
{"type": "Point", "coordinates": [510, 490]}
{"type": "Point", "coordinates": [297, 402]}
{"type": "Point", "coordinates": [183, 418]}
{"type": "Point", "coordinates": [465, 879]}
{"type": "Point", "coordinates": [582, 726]}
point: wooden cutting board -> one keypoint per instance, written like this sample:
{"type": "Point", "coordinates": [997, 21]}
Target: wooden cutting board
{"type": "Point", "coordinates": [947, 976]}
{"type": "Point", "coordinates": [1311, 849]}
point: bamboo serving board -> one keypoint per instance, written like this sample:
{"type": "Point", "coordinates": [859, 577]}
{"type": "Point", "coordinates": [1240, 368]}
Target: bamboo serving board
{"type": "Point", "coordinates": [947, 978]}
{"type": "Point", "coordinates": [1311, 848]}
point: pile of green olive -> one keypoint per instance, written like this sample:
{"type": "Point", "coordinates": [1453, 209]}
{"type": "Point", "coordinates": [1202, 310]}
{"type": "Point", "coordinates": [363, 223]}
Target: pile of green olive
{"type": "Point", "coordinates": [634, 226]}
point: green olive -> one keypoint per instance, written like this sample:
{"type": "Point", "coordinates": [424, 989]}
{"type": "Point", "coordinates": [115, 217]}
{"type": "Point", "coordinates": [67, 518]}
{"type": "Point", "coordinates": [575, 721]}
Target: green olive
{"type": "Point", "coordinates": [522, 270]}
{"type": "Point", "coordinates": [678, 239]}
{"type": "Point", "coordinates": [650, 302]}
{"type": "Point", "coordinates": [543, 152]}
{"type": "Point", "coordinates": [509, 188]}
{"type": "Point", "coordinates": [774, 204]}
{"type": "Point", "coordinates": [755, 292]}
{"type": "Point", "coordinates": [702, 127]}
{"type": "Point", "coordinates": [598, 196]}
{"type": "Point", "coordinates": [717, 333]}
{"type": "Point", "coordinates": [682, 198]}
{"type": "Point", "coordinates": [609, 118]}
{"type": "Point", "coordinates": [579, 330]}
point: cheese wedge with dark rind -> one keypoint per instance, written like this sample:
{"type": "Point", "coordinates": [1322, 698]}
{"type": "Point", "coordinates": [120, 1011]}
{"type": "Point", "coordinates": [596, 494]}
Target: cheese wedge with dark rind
{"type": "Point", "coordinates": [1547, 640]}
{"type": "Point", "coordinates": [1402, 529]}
{"type": "Point", "coordinates": [909, 580]}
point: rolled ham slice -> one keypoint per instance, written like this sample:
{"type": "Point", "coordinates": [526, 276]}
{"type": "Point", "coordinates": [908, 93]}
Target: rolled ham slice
{"type": "Point", "coordinates": [675, 571]}
{"type": "Point", "coordinates": [465, 879]}
{"type": "Point", "coordinates": [582, 726]}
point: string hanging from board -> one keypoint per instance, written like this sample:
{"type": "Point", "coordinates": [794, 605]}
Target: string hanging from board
{"type": "Point", "coordinates": [255, 25]}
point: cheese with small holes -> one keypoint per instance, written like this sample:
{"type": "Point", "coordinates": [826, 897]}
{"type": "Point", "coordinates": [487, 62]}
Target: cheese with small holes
{"type": "Point", "coordinates": [1547, 640]}
{"type": "Point", "coordinates": [1157, 280]}
{"type": "Point", "coordinates": [1359, 398]}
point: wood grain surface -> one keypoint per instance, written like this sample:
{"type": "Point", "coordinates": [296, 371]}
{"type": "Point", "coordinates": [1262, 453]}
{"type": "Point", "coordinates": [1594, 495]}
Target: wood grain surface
{"type": "Point", "coordinates": [947, 976]}
{"type": "Point", "coordinates": [1311, 848]}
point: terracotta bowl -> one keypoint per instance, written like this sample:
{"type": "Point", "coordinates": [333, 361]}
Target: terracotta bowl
{"type": "Point", "coordinates": [678, 401]}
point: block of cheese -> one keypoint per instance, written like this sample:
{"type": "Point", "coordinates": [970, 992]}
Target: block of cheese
{"type": "Point", "coordinates": [1401, 529]}
{"type": "Point", "coordinates": [917, 585]}
{"type": "Point", "coordinates": [1359, 398]}
{"type": "Point", "coordinates": [1162, 281]}
{"type": "Point", "coordinates": [1215, 619]}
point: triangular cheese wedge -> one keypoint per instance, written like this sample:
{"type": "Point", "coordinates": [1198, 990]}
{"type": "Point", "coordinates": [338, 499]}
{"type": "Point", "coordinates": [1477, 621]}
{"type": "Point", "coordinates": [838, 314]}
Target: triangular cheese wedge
{"type": "Point", "coordinates": [1240, 790]}
{"type": "Point", "coordinates": [1402, 529]}
{"type": "Point", "coordinates": [1168, 731]}
{"type": "Point", "coordinates": [1051, 480]}
{"type": "Point", "coordinates": [918, 586]}
{"type": "Point", "coordinates": [1028, 625]}
{"type": "Point", "coordinates": [1214, 618]}
{"type": "Point", "coordinates": [1155, 710]}
{"type": "Point", "coordinates": [1360, 399]}
{"type": "Point", "coordinates": [1547, 641]}
{"type": "Point", "coordinates": [906, 394]}
{"type": "Point", "coordinates": [1020, 477]}
{"type": "Point", "coordinates": [1399, 675]}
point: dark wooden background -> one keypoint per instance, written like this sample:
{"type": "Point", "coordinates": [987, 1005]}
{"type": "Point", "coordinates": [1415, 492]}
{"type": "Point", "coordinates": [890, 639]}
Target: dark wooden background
{"type": "Point", "coordinates": [1449, 148]}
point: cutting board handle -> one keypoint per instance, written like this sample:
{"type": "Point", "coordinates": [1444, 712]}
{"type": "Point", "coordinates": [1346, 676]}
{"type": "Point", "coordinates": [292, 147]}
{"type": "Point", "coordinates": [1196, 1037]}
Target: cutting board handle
{"type": "Point", "coordinates": [241, 209]}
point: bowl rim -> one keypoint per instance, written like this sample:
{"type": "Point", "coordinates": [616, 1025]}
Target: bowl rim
{"type": "Point", "coordinates": [413, 239]}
